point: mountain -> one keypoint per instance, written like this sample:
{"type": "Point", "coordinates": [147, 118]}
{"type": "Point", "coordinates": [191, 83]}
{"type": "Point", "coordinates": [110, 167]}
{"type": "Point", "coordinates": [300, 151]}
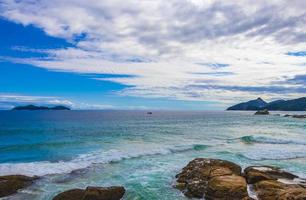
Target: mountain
{"type": "Point", "coordinates": [282, 105]}
{"type": "Point", "coordinates": [289, 105]}
{"type": "Point", "coordinates": [256, 104]}
{"type": "Point", "coordinates": [33, 107]}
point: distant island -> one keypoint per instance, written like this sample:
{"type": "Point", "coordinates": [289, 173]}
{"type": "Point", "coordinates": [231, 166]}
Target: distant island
{"type": "Point", "coordinates": [280, 105]}
{"type": "Point", "coordinates": [33, 107]}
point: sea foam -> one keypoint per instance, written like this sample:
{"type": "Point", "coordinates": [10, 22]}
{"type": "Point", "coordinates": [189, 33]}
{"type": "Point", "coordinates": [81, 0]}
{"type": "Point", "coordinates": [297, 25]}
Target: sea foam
{"type": "Point", "coordinates": [86, 160]}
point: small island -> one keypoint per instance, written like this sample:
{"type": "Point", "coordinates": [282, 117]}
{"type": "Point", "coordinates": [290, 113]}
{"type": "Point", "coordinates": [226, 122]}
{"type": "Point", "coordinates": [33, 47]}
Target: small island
{"type": "Point", "coordinates": [33, 107]}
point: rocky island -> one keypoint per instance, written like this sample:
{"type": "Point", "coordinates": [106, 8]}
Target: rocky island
{"type": "Point", "coordinates": [33, 107]}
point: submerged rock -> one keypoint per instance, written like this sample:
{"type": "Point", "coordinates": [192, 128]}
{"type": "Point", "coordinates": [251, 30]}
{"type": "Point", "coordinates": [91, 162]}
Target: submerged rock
{"type": "Point", "coordinates": [92, 193]}
{"type": "Point", "coordinates": [212, 179]}
{"type": "Point", "coordinates": [262, 112]}
{"type": "Point", "coordinates": [12, 183]}
{"type": "Point", "coordinates": [299, 116]}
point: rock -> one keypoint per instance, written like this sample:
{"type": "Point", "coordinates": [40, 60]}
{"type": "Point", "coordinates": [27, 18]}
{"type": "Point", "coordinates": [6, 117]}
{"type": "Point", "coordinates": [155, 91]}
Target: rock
{"type": "Point", "coordinates": [293, 193]}
{"type": "Point", "coordinates": [102, 193]}
{"type": "Point", "coordinates": [226, 187]}
{"type": "Point", "coordinates": [271, 183]}
{"type": "Point", "coordinates": [254, 174]}
{"type": "Point", "coordinates": [299, 116]}
{"type": "Point", "coordinates": [74, 194]}
{"type": "Point", "coordinates": [268, 189]}
{"type": "Point", "coordinates": [214, 179]}
{"type": "Point", "coordinates": [262, 112]}
{"type": "Point", "coordinates": [92, 193]}
{"type": "Point", "coordinates": [275, 190]}
{"type": "Point", "coordinates": [202, 177]}
{"type": "Point", "coordinates": [12, 183]}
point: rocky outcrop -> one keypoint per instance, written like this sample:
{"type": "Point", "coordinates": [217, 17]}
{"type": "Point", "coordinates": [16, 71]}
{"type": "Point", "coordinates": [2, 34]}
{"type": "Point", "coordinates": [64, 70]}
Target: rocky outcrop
{"type": "Point", "coordinates": [271, 183]}
{"type": "Point", "coordinates": [12, 183]}
{"type": "Point", "coordinates": [214, 179]}
{"type": "Point", "coordinates": [255, 174]}
{"type": "Point", "coordinates": [92, 193]}
{"type": "Point", "coordinates": [262, 112]}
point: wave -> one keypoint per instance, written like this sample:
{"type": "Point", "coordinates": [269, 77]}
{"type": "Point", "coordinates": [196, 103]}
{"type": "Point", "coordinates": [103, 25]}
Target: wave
{"type": "Point", "coordinates": [83, 161]}
{"type": "Point", "coordinates": [250, 139]}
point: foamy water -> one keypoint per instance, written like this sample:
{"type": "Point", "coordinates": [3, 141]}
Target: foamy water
{"type": "Point", "coordinates": [142, 152]}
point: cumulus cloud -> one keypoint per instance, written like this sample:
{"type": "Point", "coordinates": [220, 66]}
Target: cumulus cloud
{"type": "Point", "coordinates": [181, 49]}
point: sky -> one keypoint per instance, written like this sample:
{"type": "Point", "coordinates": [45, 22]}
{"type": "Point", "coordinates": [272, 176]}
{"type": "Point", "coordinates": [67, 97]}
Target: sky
{"type": "Point", "coordinates": [151, 54]}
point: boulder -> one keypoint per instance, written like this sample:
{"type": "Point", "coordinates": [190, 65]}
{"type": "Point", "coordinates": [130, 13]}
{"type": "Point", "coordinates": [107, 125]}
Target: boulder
{"type": "Point", "coordinates": [271, 183]}
{"type": "Point", "coordinates": [12, 183]}
{"type": "Point", "coordinates": [226, 187]}
{"type": "Point", "coordinates": [293, 193]}
{"type": "Point", "coordinates": [211, 178]}
{"type": "Point", "coordinates": [268, 189]}
{"type": "Point", "coordinates": [102, 193]}
{"type": "Point", "coordinates": [254, 174]}
{"type": "Point", "coordinates": [262, 112]}
{"type": "Point", "coordinates": [92, 193]}
{"type": "Point", "coordinates": [73, 194]}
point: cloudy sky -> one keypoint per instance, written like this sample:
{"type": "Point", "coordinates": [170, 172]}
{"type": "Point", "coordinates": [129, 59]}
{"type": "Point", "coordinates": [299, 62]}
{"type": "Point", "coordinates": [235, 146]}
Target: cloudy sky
{"type": "Point", "coordinates": [151, 54]}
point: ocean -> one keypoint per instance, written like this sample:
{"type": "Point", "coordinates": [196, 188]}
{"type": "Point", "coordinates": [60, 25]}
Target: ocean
{"type": "Point", "coordinates": [142, 152]}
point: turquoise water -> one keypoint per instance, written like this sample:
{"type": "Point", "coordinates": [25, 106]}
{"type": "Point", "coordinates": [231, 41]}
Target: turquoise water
{"type": "Point", "coordinates": [142, 152]}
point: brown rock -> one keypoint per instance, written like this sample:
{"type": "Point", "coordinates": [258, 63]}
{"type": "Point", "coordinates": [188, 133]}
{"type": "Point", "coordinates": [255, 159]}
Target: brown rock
{"type": "Point", "coordinates": [227, 187]}
{"type": "Point", "coordinates": [74, 194]}
{"type": "Point", "coordinates": [92, 193]}
{"type": "Point", "coordinates": [268, 189]}
{"type": "Point", "coordinates": [12, 183]}
{"type": "Point", "coordinates": [254, 174]}
{"type": "Point", "coordinates": [195, 177]}
{"type": "Point", "coordinates": [275, 190]}
{"type": "Point", "coordinates": [293, 194]}
{"type": "Point", "coordinates": [103, 193]}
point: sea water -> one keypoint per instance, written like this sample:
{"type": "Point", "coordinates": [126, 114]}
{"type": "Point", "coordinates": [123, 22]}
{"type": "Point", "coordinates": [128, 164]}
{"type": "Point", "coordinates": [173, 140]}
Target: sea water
{"type": "Point", "coordinates": [142, 152]}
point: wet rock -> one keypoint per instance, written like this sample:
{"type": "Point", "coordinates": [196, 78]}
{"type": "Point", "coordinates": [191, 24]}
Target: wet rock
{"type": "Point", "coordinates": [74, 194]}
{"type": "Point", "coordinates": [268, 189]}
{"type": "Point", "coordinates": [12, 183]}
{"type": "Point", "coordinates": [271, 183]}
{"type": "Point", "coordinates": [262, 112]}
{"type": "Point", "coordinates": [92, 193]}
{"type": "Point", "coordinates": [226, 187]}
{"type": "Point", "coordinates": [254, 174]}
{"type": "Point", "coordinates": [102, 193]}
{"type": "Point", "coordinates": [212, 178]}
{"type": "Point", "coordinates": [293, 193]}
{"type": "Point", "coordinates": [299, 116]}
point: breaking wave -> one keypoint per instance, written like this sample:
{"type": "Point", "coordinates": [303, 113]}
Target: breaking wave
{"type": "Point", "coordinates": [86, 160]}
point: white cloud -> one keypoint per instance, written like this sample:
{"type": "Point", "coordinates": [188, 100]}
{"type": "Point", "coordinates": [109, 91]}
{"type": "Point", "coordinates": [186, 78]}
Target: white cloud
{"type": "Point", "coordinates": [8, 101]}
{"type": "Point", "coordinates": [172, 37]}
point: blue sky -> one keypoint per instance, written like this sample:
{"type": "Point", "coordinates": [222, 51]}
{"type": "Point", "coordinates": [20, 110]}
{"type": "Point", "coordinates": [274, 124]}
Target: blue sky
{"type": "Point", "coordinates": [189, 54]}
{"type": "Point", "coordinates": [41, 86]}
